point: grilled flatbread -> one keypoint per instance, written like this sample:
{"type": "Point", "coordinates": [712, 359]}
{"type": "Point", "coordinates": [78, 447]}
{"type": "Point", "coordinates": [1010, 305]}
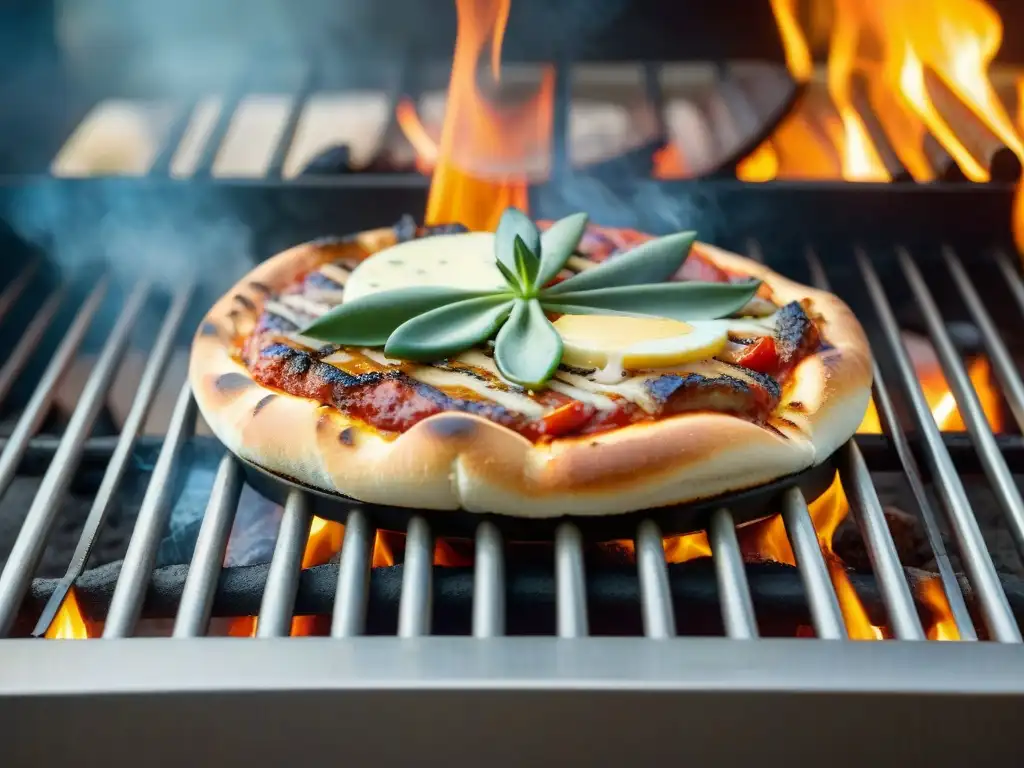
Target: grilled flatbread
{"type": "Point", "coordinates": [456, 435]}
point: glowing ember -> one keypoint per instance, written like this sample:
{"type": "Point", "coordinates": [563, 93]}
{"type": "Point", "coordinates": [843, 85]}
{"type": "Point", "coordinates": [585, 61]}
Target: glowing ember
{"type": "Point", "coordinates": [941, 626]}
{"type": "Point", "coordinates": [479, 164]}
{"type": "Point", "coordinates": [69, 623]}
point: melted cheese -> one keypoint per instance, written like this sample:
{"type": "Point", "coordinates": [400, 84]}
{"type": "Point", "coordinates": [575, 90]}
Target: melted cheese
{"type": "Point", "coordinates": [464, 260]}
{"type": "Point", "coordinates": [283, 310]}
{"type": "Point", "coordinates": [438, 377]}
{"type": "Point", "coordinates": [633, 389]}
{"type": "Point", "coordinates": [304, 304]}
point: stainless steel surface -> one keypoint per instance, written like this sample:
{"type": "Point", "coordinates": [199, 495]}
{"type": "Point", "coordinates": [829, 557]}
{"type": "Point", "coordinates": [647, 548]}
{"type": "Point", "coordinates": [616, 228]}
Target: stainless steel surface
{"type": "Point", "coordinates": [350, 598]}
{"type": "Point", "coordinates": [275, 618]}
{"type": "Point", "coordinates": [197, 594]}
{"type": "Point", "coordinates": [32, 417]}
{"type": "Point", "coordinates": [126, 602]}
{"type": "Point", "coordinates": [867, 513]}
{"type": "Point", "coordinates": [416, 604]}
{"type": "Point", "coordinates": [980, 568]}
{"type": "Point", "coordinates": [656, 607]}
{"type": "Point", "coordinates": [31, 541]}
{"type": "Point", "coordinates": [508, 702]}
{"type": "Point", "coordinates": [150, 381]}
{"type": "Point", "coordinates": [570, 582]}
{"type": "Point", "coordinates": [733, 590]}
{"type": "Point", "coordinates": [992, 461]}
{"type": "Point", "coordinates": [821, 596]}
{"type": "Point", "coordinates": [488, 582]}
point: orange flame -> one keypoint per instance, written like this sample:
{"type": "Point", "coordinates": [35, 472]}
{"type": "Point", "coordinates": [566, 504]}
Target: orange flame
{"type": "Point", "coordinates": [479, 164]}
{"type": "Point", "coordinates": [894, 44]}
{"type": "Point", "coordinates": [70, 623]}
{"type": "Point", "coordinates": [760, 165]}
{"type": "Point", "coordinates": [941, 401]}
{"type": "Point", "coordinates": [942, 625]}
{"type": "Point", "coordinates": [860, 161]}
{"type": "Point", "coordinates": [794, 43]}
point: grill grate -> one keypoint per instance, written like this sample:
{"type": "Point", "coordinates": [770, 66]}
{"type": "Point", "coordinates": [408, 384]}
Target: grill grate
{"type": "Point", "coordinates": [570, 574]}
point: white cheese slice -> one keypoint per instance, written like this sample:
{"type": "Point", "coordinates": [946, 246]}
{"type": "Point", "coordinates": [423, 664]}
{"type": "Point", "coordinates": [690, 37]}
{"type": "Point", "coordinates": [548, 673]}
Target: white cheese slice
{"type": "Point", "coordinates": [437, 377]}
{"type": "Point", "coordinates": [464, 260]}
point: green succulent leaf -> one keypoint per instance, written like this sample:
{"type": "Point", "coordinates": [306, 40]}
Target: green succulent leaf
{"type": "Point", "coordinates": [653, 262]}
{"type": "Point", "coordinates": [528, 348]}
{"type": "Point", "coordinates": [678, 301]}
{"type": "Point", "coordinates": [527, 265]}
{"type": "Point", "coordinates": [557, 245]}
{"type": "Point", "coordinates": [370, 320]}
{"type": "Point", "coordinates": [514, 223]}
{"type": "Point", "coordinates": [510, 278]}
{"type": "Point", "coordinates": [450, 329]}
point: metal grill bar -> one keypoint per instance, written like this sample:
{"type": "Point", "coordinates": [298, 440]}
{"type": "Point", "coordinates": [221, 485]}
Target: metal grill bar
{"type": "Point", "coordinates": [284, 142]}
{"type": "Point", "coordinates": [283, 578]}
{"type": "Point", "coordinates": [34, 413]}
{"type": "Point", "coordinates": [208, 157]}
{"type": "Point", "coordinates": [193, 617]}
{"type": "Point", "coordinates": [656, 606]}
{"type": "Point", "coordinates": [870, 519]}
{"type": "Point", "coordinates": [488, 582]}
{"type": "Point", "coordinates": [570, 582]}
{"type": "Point", "coordinates": [352, 593]}
{"type": "Point", "coordinates": [733, 589]}
{"type": "Point", "coordinates": [999, 476]}
{"type": "Point", "coordinates": [29, 342]}
{"type": "Point", "coordinates": [126, 603]}
{"type": "Point", "coordinates": [16, 287]}
{"type": "Point", "coordinates": [31, 540]}
{"type": "Point", "coordinates": [980, 568]}
{"type": "Point", "coordinates": [1011, 276]}
{"type": "Point", "coordinates": [950, 585]}
{"type": "Point", "coordinates": [821, 596]}
{"type": "Point", "coordinates": [867, 513]}
{"type": "Point", "coordinates": [133, 423]}
{"type": "Point", "coordinates": [161, 165]}
{"type": "Point", "coordinates": [415, 605]}
{"type": "Point", "coordinates": [998, 354]}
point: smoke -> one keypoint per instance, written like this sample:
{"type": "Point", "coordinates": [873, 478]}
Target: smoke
{"type": "Point", "coordinates": [642, 204]}
{"type": "Point", "coordinates": [132, 230]}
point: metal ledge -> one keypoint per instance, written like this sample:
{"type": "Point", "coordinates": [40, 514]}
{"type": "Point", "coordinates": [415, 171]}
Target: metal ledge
{"type": "Point", "coordinates": [462, 701]}
{"type": "Point", "coordinates": [693, 665]}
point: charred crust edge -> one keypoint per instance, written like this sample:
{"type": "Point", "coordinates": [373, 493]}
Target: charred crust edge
{"type": "Point", "coordinates": [347, 436]}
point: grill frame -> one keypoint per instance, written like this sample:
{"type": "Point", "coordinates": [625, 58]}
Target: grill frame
{"type": "Point", "coordinates": [543, 694]}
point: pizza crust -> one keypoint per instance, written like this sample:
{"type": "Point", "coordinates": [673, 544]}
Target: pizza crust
{"type": "Point", "coordinates": [460, 461]}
